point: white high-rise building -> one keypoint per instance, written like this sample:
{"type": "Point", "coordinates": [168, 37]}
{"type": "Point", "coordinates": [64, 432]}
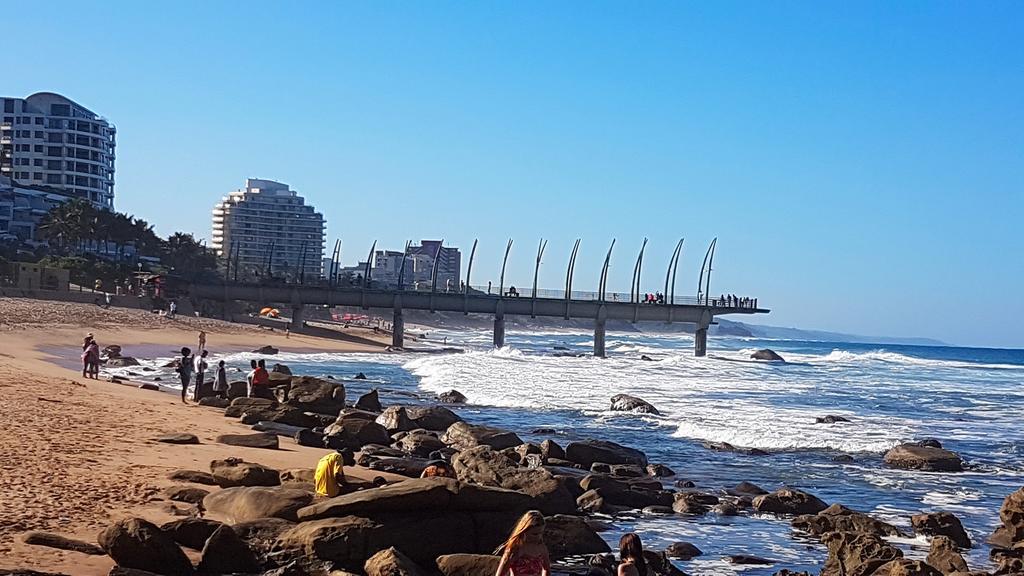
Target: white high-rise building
{"type": "Point", "coordinates": [49, 140]}
{"type": "Point", "coordinates": [267, 225]}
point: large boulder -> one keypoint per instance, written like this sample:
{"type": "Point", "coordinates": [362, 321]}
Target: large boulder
{"type": "Point", "coordinates": [468, 564]}
{"type": "Point", "coordinates": [856, 554]}
{"type": "Point", "coordinates": [391, 562]}
{"type": "Point", "coordinates": [418, 494]}
{"type": "Point", "coordinates": [396, 419]}
{"type": "Point", "coordinates": [245, 404]}
{"type": "Point", "coordinates": [627, 403]}
{"type": "Point", "coordinates": [191, 532]}
{"type": "Point", "coordinates": [586, 452]}
{"type": "Point", "coordinates": [683, 551]}
{"type": "Point", "coordinates": [281, 415]}
{"type": "Point", "coordinates": [945, 557]}
{"type": "Point", "coordinates": [767, 354]}
{"type": "Point", "coordinates": [452, 397]}
{"type": "Point", "coordinates": [436, 418]}
{"type": "Point", "coordinates": [369, 402]}
{"type": "Point", "coordinates": [121, 362]}
{"type": "Point", "coordinates": [788, 501]}
{"type": "Point", "coordinates": [237, 472]}
{"type": "Point", "coordinates": [268, 349]}
{"type": "Point", "coordinates": [463, 436]}
{"type": "Point", "coordinates": [420, 444]}
{"type": "Point", "coordinates": [839, 518]}
{"type": "Point", "coordinates": [917, 457]}
{"type": "Point", "coordinates": [194, 476]}
{"type": "Point", "coordinates": [136, 543]}
{"type": "Point", "coordinates": [907, 567]}
{"type": "Point", "coordinates": [484, 466]}
{"type": "Point", "coordinates": [260, 440]}
{"type": "Point", "coordinates": [567, 535]}
{"type": "Point", "coordinates": [226, 553]}
{"type": "Point", "coordinates": [178, 438]}
{"type": "Point", "coordinates": [354, 433]}
{"type": "Point", "coordinates": [941, 524]}
{"type": "Point", "coordinates": [1012, 515]}
{"type": "Point", "coordinates": [247, 503]}
{"type": "Point", "coordinates": [261, 534]}
{"type": "Point", "coordinates": [316, 395]}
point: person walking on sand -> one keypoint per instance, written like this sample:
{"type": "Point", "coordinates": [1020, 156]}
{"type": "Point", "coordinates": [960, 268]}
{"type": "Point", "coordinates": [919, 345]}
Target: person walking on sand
{"type": "Point", "coordinates": [631, 553]}
{"type": "Point", "coordinates": [185, 371]}
{"type": "Point", "coordinates": [220, 383]}
{"type": "Point", "coordinates": [199, 366]}
{"type": "Point", "coordinates": [202, 340]}
{"type": "Point", "coordinates": [172, 308]}
{"type": "Point", "coordinates": [524, 553]}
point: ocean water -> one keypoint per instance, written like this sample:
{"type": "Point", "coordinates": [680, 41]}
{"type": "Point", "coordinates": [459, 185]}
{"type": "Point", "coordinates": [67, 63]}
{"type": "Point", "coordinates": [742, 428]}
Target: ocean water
{"type": "Point", "coordinates": [970, 399]}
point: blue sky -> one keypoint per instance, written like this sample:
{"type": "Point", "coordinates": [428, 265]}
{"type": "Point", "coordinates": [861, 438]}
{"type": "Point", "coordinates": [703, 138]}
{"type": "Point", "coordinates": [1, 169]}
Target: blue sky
{"type": "Point", "coordinates": [861, 163]}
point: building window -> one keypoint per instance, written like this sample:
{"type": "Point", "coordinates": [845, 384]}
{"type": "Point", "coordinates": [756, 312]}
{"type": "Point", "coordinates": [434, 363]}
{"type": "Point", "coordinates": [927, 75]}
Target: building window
{"type": "Point", "coordinates": [9, 106]}
{"type": "Point", "coordinates": [39, 120]}
{"type": "Point", "coordinates": [37, 175]}
{"type": "Point", "coordinates": [38, 148]}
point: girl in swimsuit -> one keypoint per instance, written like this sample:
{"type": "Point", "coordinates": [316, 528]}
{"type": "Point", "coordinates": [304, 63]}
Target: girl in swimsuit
{"type": "Point", "coordinates": [631, 552]}
{"type": "Point", "coordinates": [524, 553]}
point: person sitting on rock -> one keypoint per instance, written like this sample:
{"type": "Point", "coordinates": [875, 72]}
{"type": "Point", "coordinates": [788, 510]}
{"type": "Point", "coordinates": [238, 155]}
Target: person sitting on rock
{"type": "Point", "coordinates": [329, 477]}
{"type": "Point", "coordinates": [631, 552]}
{"type": "Point", "coordinates": [261, 381]}
{"type": "Point", "coordinates": [438, 469]}
{"type": "Point", "coordinates": [524, 553]}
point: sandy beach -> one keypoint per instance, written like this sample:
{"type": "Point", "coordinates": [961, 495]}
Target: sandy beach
{"type": "Point", "coordinates": [80, 453]}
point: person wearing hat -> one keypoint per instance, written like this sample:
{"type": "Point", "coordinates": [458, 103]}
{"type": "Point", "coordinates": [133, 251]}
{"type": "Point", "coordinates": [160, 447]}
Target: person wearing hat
{"type": "Point", "coordinates": [329, 477]}
{"type": "Point", "coordinates": [439, 469]}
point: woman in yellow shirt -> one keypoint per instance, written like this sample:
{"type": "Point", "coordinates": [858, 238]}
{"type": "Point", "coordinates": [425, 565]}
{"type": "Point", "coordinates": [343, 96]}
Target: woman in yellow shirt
{"type": "Point", "coordinates": [330, 475]}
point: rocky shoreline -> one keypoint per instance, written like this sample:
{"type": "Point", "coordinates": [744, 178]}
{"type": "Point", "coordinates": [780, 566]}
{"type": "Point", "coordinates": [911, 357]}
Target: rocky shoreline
{"type": "Point", "coordinates": [246, 518]}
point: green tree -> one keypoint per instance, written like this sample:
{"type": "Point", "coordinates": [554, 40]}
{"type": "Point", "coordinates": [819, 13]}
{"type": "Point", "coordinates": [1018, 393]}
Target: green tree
{"type": "Point", "coordinates": [189, 259]}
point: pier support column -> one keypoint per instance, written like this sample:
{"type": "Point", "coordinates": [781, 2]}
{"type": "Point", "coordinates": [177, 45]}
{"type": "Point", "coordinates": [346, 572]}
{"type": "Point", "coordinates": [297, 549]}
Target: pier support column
{"type": "Point", "coordinates": [599, 332]}
{"type": "Point", "coordinates": [298, 319]}
{"type": "Point", "coordinates": [499, 325]}
{"type": "Point", "coordinates": [398, 325]}
{"type": "Point", "coordinates": [700, 341]}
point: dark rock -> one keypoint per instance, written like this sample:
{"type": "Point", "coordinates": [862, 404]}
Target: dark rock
{"type": "Point", "coordinates": [61, 542]}
{"type": "Point", "coordinates": [411, 467]}
{"type": "Point", "coordinates": [658, 510]}
{"type": "Point", "coordinates": [463, 436]}
{"type": "Point", "coordinates": [838, 518]}
{"type": "Point", "coordinates": [236, 472]}
{"type": "Point", "coordinates": [628, 471]}
{"type": "Point", "coordinates": [436, 418]}
{"type": "Point", "coordinates": [941, 524]}
{"type": "Point", "coordinates": [360, 376]}
{"type": "Point", "coordinates": [121, 362]}
{"type": "Point", "coordinates": [452, 397]}
{"type": "Point", "coordinates": [587, 452]}
{"type": "Point", "coordinates": [247, 503]}
{"type": "Point", "coordinates": [856, 554]}
{"type": "Point", "coordinates": [905, 567]}
{"type": "Point", "coordinates": [226, 553]}
{"type": "Point", "coordinates": [693, 503]}
{"type": "Point", "coordinates": [1012, 515]}
{"type": "Point", "coordinates": [914, 457]}
{"type": "Point", "coordinates": [185, 494]}
{"type": "Point", "coordinates": [419, 444]}
{"type": "Point", "coordinates": [830, 419]}
{"type": "Point", "coordinates": [788, 501]}
{"type": "Point", "coordinates": [747, 559]}
{"type": "Point", "coordinates": [194, 476]}
{"type": "Point", "coordinates": [660, 471]}
{"type": "Point", "coordinates": [767, 354]}
{"type": "Point", "coordinates": [928, 443]}
{"type": "Point", "coordinates": [391, 562]}
{"type": "Point", "coordinates": [658, 564]}
{"type": "Point", "coordinates": [369, 402]}
{"type": "Point", "coordinates": [136, 543]}
{"type": "Point", "coordinates": [683, 551]}
{"type": "Point", "coordinates": [237, 389]}
{"type": "Point", "coordinates": [468, 564]}
{"type": "Point", "coordinates": [685, 484]}
{"type": "Point", "coordinates": [354, 433]}
{"type": "Point", "coordinates": [148, 386]}
{"type": "Point", "coordinates": [726, 447]}
{"type": "Point", "coordinates": [261, 534]}
{"type": "Point", "coordinates": [269, 350]}
{"type": "Point", "coordinates": [307, 437]}
{"type": "Point", "coordinates": [282, 415]}
{"type": "Point", "coordinates": [543, 431]}
{"type": "Point", "coordinates": [943, 555]}
{"type": "Point", "coordinates": [262, 440]}
{"type": "Point", "coordinates": [278, 368]}
{"type": "Point", "coordinates": [726, 509]}
{"type": "Point", "coordinates": [484, 466]}
{"type": "Point", "coordinates": [746, 489]}
{"type": "Point", "coordinates": [316, 395]}
{"type": "Point", "coordinates": [191, 532]}
{"type": "Point", "coordinates": [646, 358]}
{"type": "Point", "coordinates": [567, 535]}
{"type": "Point", "coordinates": [550, 449]}
{"type": "Point", "coordinates": [601, 468]}
{"type": "Point", "coordinates": [396, 419]}
{"type": "Point", "coordinates": [214, 402]}
{"type": "Point", "coordinates": [627, 403]}
{"type": "Point", "coordinates": [843, 459]}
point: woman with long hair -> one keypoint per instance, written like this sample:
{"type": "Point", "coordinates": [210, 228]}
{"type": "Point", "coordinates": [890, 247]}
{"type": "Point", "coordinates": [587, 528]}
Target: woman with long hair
{"type": "Point", "coordinates": [631, 553]}
{"type": "Point", "coordinates": [524, 553]}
